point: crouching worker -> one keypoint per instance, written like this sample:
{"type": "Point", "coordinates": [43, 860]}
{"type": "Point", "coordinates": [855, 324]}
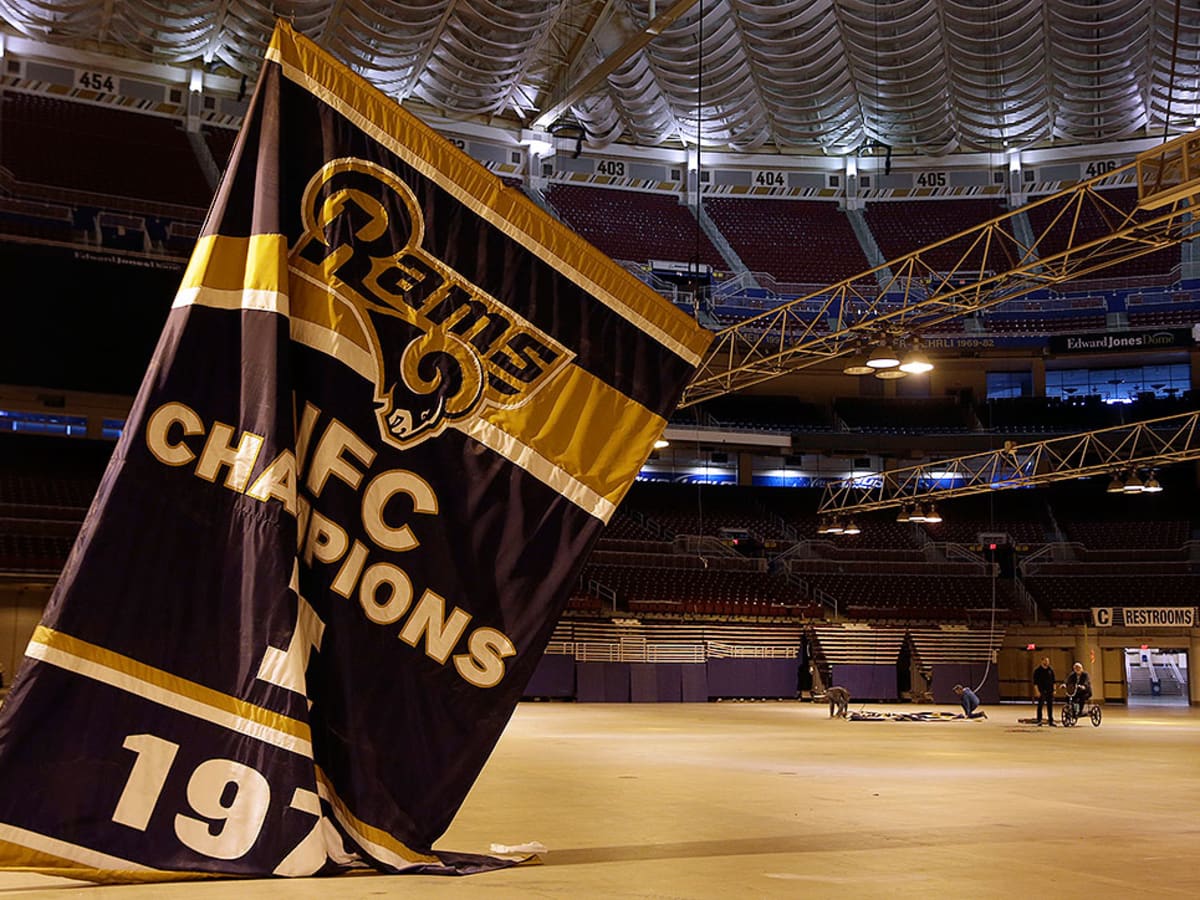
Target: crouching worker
{"type": "Point", "coordinates": [839, 701]}
{"type": "Point", "coordinates": [970, 702]}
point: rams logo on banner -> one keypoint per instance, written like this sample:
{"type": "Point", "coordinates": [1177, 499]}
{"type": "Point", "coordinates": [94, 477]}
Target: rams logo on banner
{"type": "Point", "coordinates": [450, 347]}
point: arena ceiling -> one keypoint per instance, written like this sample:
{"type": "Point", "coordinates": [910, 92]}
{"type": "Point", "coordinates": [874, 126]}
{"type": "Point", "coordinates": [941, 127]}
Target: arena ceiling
{"type": "Point", "coordinates": [828, 77]}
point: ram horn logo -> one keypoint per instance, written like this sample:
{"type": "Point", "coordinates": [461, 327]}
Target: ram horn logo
{"type": "Point", "coordinates": [440, 379]}
{"type": "Point", "coordinates": [439, 349]}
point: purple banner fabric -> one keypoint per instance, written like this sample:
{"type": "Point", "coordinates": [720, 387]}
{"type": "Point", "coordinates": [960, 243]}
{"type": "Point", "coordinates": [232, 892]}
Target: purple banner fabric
{"type": "Point", "coordinates": [392, 408]}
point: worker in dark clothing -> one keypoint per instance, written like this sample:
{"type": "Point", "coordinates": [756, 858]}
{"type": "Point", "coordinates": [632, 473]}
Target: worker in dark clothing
{"type": "Point", "coordinates": [1043, 683]}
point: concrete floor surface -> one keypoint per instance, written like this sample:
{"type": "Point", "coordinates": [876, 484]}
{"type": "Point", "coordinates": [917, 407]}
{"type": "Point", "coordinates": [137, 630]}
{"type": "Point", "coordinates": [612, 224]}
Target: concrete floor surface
{"type": "Point", "coordinates": [774, 799]}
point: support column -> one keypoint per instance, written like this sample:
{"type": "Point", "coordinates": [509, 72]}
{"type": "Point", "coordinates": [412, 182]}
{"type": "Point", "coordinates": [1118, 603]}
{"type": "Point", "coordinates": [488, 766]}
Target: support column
{"type": "Point", "coordinates": [745, 468]}
{"type": "Point", "coordinates": [1193, 670]}
{"type": "Point", "coordinates": [1087, 646]}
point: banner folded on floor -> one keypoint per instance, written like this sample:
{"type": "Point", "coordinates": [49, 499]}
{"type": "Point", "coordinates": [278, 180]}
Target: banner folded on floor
{"type": "Point", "coordinates": [392, 408]}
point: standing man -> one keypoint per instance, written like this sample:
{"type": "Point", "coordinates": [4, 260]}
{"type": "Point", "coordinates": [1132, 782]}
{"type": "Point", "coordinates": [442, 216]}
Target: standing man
{"type": "Point", "coordinates": [1043, 683]}
{"type": "Point", "coordinates": [970, 702]}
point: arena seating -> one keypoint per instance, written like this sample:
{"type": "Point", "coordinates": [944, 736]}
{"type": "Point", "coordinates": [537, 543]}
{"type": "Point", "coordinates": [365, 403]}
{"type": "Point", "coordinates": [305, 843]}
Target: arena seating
{"type": "Point", "coordinates": [1070, 597]}
{"type": "Point", "coordinates": [903, 226]}
{"type": "Point", "coordinates": [128, 154]}
{"type": "Point", "coordinates": [633, 225]}
{"type": "Point", "coordinates": [925, 597]}
{"type": "Point", "coordinates": [903, 416]}
{"type": "Point", "coordinates": [1096, 220]}
{"type": "Point", "coordinates": [801, 241]}
{"type": "Point", "coordinates": [787, 414]}
{"type": "Point", "coordinates": [697, 591]}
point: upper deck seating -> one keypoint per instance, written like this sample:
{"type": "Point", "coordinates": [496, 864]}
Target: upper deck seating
{"type": "Point", "coordinates": [798, 241]}
{"type": "Point", "coordinates": [48, 141]}
{"type": "Point", "coordinates": [633, 225]}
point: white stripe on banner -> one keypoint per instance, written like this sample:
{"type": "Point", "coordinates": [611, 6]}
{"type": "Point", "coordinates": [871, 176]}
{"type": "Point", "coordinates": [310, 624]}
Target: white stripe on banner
{"type": "Point", "coordinates": [168, 698]}
{"type": "Point", "coordinates": [93, 859]}
{"type": "Point", "coordinates": [539, 467]}
{"type": "Point", "coordinates": [243, 298]}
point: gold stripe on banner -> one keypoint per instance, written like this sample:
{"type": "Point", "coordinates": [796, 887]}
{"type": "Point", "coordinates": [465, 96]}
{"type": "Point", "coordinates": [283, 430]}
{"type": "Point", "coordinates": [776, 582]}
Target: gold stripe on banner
{"type": "Point", "coordinates": [124, 673]}
{"type": "Point", "coordinates": [257, 263]}
{"type": "Point", "coordinates": [29, 851]}
{"type": "Point", "coordinates": [237, 273]}
{"type": "Point", "coordinates": [380, 117]}
{"type": "Point", "coordinates": [571, 424]}
{"type": "Point", "coordinates": [381, 845]}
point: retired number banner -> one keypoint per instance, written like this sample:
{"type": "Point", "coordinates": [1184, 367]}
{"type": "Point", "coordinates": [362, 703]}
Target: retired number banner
{"type": "Point", "coordinates": [392, 408]}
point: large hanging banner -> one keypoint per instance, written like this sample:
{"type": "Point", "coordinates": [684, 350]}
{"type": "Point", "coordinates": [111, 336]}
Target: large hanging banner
{"type": "Point", "coordinates": [393, 406]}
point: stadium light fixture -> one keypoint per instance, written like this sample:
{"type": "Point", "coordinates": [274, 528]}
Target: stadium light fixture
{"type": "Point", "coordinates": [1115, 486]}
{"type": "Point", "coordinates": [883, 358]}
{"type": "Point", "coordinates": [916, 363]}
{"type": "Point", "coordinates": [904, 515]}
{"type": "Point", "coordinates": [917, 514]}
{"type": "Point", "coordinates": [933, 517]}
{"type": "Point", "coordinates": [890, 374]}
{"type": "Point", "coordinates": [835, 527]}
{"type": "Point", "coordinates": [857, 368]}
{"type": "Point", "coordinates": [1152, 486]}
{"type": "Point", "coordinates": [1133, 484]}
{"type": "Point", "coordinates": [851, 528]}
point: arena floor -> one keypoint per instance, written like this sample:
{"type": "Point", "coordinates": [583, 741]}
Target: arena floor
{"type": "Point", "coordinates": [776, 800]}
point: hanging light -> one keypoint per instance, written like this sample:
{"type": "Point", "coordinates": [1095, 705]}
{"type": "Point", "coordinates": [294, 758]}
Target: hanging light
{"type": "Point", "coordinates": [917, 514]}
{"type": "Point", "coordinates": [1133, 484]}
{"type": "Point", "coordinates": [916, 363]}
{"type": "Point", "coordinates": [823, 527]}
{"type": "Point", "coordinates": [890, 374]}
{"type": "Point", "coordinates": [661, 444]}
{"type": "Point", "coordinates": [857, 368]}
{"type": "Point", "coordinates": [905, 514]}
{"type": "Point", "coordinates": [835, 527]}
{"type": "Point", "coordinates": [933, 517]}
{"type": "Point", "coordinates": [1116, 486]}
{"type": "Point", "coordinates": [851, 528]}
{"type": "Point", "coordinates": [883, 358]}
{"type": "Point", "coordinates": [1152, 486]}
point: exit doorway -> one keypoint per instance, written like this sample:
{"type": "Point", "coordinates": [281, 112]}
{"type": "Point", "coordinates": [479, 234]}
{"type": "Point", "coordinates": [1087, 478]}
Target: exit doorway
{"type": "Point", "coordinates": [1156, 676]}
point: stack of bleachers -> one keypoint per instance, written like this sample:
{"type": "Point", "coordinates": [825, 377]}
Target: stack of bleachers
{"type": "Point", "coordinates": [634, 225]}
{"type": "Point", "coordinates": [1095, 221]}
{"type": "Point", "coordinates": [799, 241]}
{"type": "Point", "coordinates": [101, 150]}
{"type": "Point", "coordinates": [903, 226]}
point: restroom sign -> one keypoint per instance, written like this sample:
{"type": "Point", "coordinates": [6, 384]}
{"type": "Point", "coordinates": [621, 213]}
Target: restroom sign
{"type": "Point", "coordinates": [1144, 616]}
